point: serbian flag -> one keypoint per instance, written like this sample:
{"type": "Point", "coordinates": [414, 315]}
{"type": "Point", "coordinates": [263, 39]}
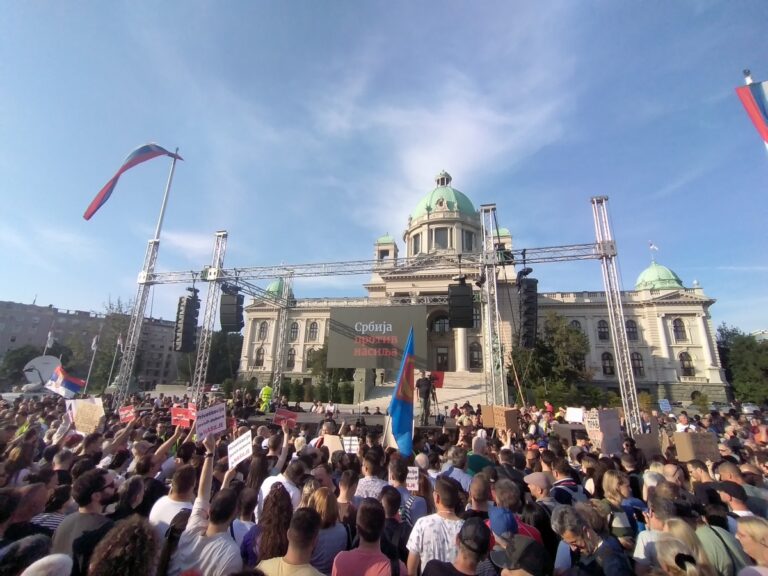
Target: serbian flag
{"type": "Point", "coordinates": [63, 384]}
{"type": "Point", "coordinates": [754, 96]}
{"type": "Point", "coordinates": [401, 406]}
{"type": "Point", "coordinates": [141, 154]}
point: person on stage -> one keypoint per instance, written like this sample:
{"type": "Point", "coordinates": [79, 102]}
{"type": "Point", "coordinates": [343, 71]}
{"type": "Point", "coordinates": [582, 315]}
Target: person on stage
{"type": "Point", "coordinates": [424, 386]}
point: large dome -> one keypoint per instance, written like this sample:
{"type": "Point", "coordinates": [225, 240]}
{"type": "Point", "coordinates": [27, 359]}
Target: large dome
{"type": "Point", "coordinates": [658, 277]}
{"type": "Point", "coordinates": [445, 197]}
{"type": "Point", "coordinates": [276, 287]}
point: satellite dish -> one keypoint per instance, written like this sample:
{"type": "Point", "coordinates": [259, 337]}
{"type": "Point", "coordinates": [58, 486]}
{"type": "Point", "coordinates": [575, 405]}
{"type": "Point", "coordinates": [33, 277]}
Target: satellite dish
{"type": "Point", "coordinates": [39, 370]}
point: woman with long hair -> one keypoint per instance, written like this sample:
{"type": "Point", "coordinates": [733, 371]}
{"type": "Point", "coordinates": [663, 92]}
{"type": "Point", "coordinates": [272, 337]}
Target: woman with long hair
{"type": "Point", "coordinates": [680, 529]}
{"type": "Point", "coordinates": [676, 558]}
{"type": "Point", "coordinates": [752, 533]}
{"type": "Point", "coordinates": [426, 491]}
{"type": "Point", "coordinates": [131, 547]}
{"type": "Point", "coordinates": [269, 538]}
{"type": "Point", "coordinates": [616, 488]}
{"type": "Point", "coordinates": [19, 464]}
{"type": "Point", "coordinates": [130, 496]}
{"type": "Point", "coordinates": [334, 536]}
{"type": "Point", "coordinates": [258, 470]}
{"type": "Point", "coordinates": [308, 488]}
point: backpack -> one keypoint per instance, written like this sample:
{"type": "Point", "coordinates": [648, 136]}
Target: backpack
{"type": "Point", "coordinates": [172, 537]}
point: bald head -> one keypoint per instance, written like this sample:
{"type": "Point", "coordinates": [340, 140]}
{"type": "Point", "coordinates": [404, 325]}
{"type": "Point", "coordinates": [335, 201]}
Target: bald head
{"type": "Point", "coordinates": [730, 472]}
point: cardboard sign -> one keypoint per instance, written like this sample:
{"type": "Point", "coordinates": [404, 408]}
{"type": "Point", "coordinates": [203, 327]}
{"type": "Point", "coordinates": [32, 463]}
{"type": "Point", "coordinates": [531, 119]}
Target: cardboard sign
{"type": "Point", "coordinates": [180, 417]}
{"type": "Point", "coordinates": [412, 480]}
{"type": "Point", "coordinates": [333, 443]}
{"type": "Point", "coordinates": [604, 430]}
{"type": "Point", "coordinates": [567, 431]}
{"type": "Point", "coordinates": [351, 444]}
{"type": "Point", "coordinates": [87, 416]}
{"type": "Point", "coordinates": [649, 444]}
{"type": "Point", "coordinates": [506, 419]}
{"type": "Point", "coordinates": [437, 378]}
{"type": "Point", "coordinates": [665, 406]}
{"type": "Point", "coordinates": [486, 415]}
{"type": "Point", "coordinates": [283, 415]}
{"type": "Point", "coordinates": [192, 407]}
{"type": "Point", "coordinates": [239, 449]}
{"type": "Point", "coordinates": [696, 446]}
{"type": "Point", "coordinates": [212, 420]}
{"type": "Point", "coordinates": [574, 415]}
{"type": "Point", "coordinates": [127, 414]}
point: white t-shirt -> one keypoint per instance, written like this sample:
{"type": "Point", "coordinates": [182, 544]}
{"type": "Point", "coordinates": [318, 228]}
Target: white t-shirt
{"type": "Point", "coordinates": [240, 529]}
{"type": "Point", "coordinates": [434, 538]}
{"type": "Point", "coordinates": [645, 552]}
{"type": "Point", "coordinates": [217, 555]}
{"type": "Point", "coordinates": [266, 486]}
{"type": "Point", "coordinates": [163, 512]}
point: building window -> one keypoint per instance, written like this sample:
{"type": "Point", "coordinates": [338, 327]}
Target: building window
{"type": "Point", "coordinates": [416, 244]}
{"type": "Point", "coordinates": [440, 325]}
{"type": "Point", "coordinates": [678, 330]}
{"type": "Point", "coordinates": [475, 356]}
{"type": "Point", "coordinates": [263, 327]}
{"type": "Point", "coordinates": [686, 364]}
{"type": "Point", "coordinates": [312, 335]}
{"type": "Point", "coordinates": [608, 368]}
{"type": "Point", "coordinates": [637, 364]}
{"type": "Point", "coordinates": [476, 318]}
{"type": "Point", "coordinates": [468, 241]}
{"type": "Point", "coordinates": [291, 361]}
{"type": "Point", "coordinates": [260, 357]}
{"type": "Point", "coordinates": [310, 357]}
{"type": "Point", "coordinates": [293, 333]}
{"type": "Point", "coordinates": [441, 238]}
{"type": "Point", "coordinates": [603, 333]}
{"type": "Point", "coordinates": [383, 254]}
{"type": "Point", "coordinates": [576, 325]}
{"type": "Point", "coordinates": [631, 330]}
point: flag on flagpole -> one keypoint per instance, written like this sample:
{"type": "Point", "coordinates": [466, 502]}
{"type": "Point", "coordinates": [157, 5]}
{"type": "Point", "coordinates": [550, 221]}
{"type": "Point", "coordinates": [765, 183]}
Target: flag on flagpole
{"type": "Point", "coordinates": [141, 154]}
{"type": "Point", "coordinates": [401, 406]}
{"type": "Point", "coordinates": [95, 343]}
{"type": "Point", "coordinates": [49, 342]}
{"type": "Point", "coordinates": [63, 384]}
{"type": "Point", "coordinates": [120, 342]}
{"type": "Point", "coordinates": [754, 97]}
{"type": "Point", "coordinates": [652, 246]}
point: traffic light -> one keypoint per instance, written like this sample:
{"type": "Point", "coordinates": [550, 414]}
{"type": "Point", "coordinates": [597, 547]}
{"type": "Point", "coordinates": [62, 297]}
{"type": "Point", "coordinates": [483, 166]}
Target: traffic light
{"type": "Point", "coordinates": [185, 332]}
{"type": "Point", "coordinates": [231, 312]}
{"type": "Point", "coordinates": [529, 311]}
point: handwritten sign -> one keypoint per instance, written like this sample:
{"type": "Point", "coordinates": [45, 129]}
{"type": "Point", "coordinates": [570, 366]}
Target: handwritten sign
{"type": "Point", "coordinates": [574, 415]}
{"type": "Point", "coordinates": [283, 415]}
{"type": "Point", "coordinates": [212, 420]}
{"type": "Point", "coordinates": [665, 406]}
{"type": "Point", "coordinates": [180, 417]}
{"type": "Point", "coordinates": [506, 419]}
{"type": "Point", "coordinates": [127, 414]}
{"type": "Point", "coordinates": [604, 430]}
{"type": "Point", "coordinates": [412, 480]}
{"type": "Point", "coordinates": [87, 417]}
{"type": "Point", "coordinates": [239, 449]}
{"type": "Point", "coordinates": [351, 444]}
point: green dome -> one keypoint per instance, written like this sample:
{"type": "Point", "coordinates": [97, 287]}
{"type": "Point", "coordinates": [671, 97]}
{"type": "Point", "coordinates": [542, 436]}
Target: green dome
{"type": "Point", "coordinates": [444, 195]}
{"type": "Point", "coordinates": [276, 288]}
{"type": "Point", "coordinates": [658, 277]}
{"type": "Point", "coordinates": [386, 239]}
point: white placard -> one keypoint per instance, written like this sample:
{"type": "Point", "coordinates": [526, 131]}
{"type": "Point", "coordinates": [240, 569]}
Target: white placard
{"type": "Point", "coordinates": [211, 420]}
{"type": "Point", "coordinates": [665, 406]}
{"type": "Point", "coordinates": [574, 415]}
{"type": "Point", "coordinates": [351, 444]}
{"type": "Point", "coordinates": [239, 449]}
{"type": "Point", "coordinates": [412, 481]}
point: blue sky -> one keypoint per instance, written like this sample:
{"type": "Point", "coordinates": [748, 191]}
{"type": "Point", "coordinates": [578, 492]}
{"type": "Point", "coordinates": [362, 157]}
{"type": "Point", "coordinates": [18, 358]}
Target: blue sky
{"type": "Point", "coordinates": [311, 128]}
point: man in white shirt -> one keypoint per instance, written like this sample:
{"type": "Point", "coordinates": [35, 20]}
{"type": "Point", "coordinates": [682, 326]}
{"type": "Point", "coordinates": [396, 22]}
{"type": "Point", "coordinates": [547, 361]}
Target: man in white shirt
{"type": "Point", "coordinates": [180, 498]}
{"type": "Point", "coordinates": [207, 546]}
{"type": "Point", "coordinates": [289, 479]}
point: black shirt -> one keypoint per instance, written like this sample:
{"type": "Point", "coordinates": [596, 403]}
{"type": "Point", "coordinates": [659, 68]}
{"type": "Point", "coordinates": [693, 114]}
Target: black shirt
{"type": "Point", "coordinates": [424, 386]}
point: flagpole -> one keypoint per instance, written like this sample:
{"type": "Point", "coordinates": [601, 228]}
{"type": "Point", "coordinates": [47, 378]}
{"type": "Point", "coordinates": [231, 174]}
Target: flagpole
{"type": "Point", "coordinates": [165, 196]}
{"type": "Point", "coordinates": [49, 338]}
{"type": "Point", "coordinates": [94, 349]}
{"type": "Point", "coordinates": [114, 358]}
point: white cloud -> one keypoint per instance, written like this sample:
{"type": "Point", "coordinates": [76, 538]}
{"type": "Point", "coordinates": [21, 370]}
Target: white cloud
{"type": "Point", "coordinates": [194, 246]}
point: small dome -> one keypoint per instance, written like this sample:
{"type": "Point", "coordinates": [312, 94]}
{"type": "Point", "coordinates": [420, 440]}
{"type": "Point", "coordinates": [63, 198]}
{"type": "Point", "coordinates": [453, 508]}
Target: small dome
{"type": "Point", "coordinates": [386, 239]}
{"type": "Point", "coordinates": [276, 288]}
{"type": "Point", "coordinates": [444, 197]}
{"type": "Point", "coordinates": [658, 277]}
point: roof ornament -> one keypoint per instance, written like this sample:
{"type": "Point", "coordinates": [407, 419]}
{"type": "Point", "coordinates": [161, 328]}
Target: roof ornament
{"type": "Point", "coordinates": [443, 179]}
{"type": "Point", "coordinates": [653, 248]}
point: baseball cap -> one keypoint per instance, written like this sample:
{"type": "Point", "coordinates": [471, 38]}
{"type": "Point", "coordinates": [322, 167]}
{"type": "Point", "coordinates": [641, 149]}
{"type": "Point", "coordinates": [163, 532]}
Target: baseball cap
{"type": "Point", "coordinates": [503, 522]}
{"type": "Point", "coordinates": [476, 536]}
{"type": "Point", "coordinates": [538, 479]}
{"type": "Point", "coordinates": [732, 489]}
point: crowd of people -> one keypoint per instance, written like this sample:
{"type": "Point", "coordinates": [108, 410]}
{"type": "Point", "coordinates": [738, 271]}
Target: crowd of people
{"type": "Point", "coordinates": [145, 498]}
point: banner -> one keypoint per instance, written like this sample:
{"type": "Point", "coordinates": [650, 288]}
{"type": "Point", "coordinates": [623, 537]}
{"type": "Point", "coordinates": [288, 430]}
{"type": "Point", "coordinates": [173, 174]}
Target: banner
{"type": "Point", "coordinates": [351, 444]}
{"type": "Point", "coordinates": [283, 415]}
{"type": "Point", "coordinates": [412, 480]}
{"type": "Point", "coordinates": [438, 378]}
{"type": "Point", "coordinates": [240, 449]}
{"type": "Point", "coordinates": [212, 420]}
{"type": "Point", "coordinates": [87, 416]}
{"type": "Point", "coordinates": [180, 417]}
{"type": "Point", "coordinates": [127, 414]}
{"type": "Point", "coordinates": [192, 407]}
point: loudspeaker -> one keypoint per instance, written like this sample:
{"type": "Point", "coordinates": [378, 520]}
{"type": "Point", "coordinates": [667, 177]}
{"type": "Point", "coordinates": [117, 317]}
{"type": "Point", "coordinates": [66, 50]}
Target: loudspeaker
{"type": "Point", "coordinates": [231, 313]}
{"type": "Point", "coordinates": [529, 311]}
{"type": "Point", "coordinates": [185, 331]}
{"type": "Point", "coordinates": [460, 306]}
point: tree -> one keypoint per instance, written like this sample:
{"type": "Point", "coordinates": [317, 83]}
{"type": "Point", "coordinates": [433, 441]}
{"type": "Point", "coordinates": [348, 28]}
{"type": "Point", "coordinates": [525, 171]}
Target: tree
{"type": "Point", "coordinates": [319, 367]}
{"type": "Point", "coordinates": [116, 321]}
{"type": "Point", "coordinates": [224, 358]}
{"type": "Point", "coordinates": [748, 360]}
{"type": "Point", "coordinates": [11, 370]}
{"type": "Point", "coordinates": [726, 336]}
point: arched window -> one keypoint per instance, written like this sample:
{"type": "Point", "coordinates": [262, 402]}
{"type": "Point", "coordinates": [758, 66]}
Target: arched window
{"type": "Point", "coordinates": [678, 330]}
{"type": "Point", "coordinates": [310, 356]}
{"type": "Point", "coordinates": [475, 356]}
{"type": "Point", "coordinates": [631, 330]}
{"type": "Point", "coordinates": [312, 335]}
{"type": "Point", "coordinates": [294, 332]}
{"type": "Point", "coordinates": [291, 361]}
{"type": "Point", "coordinates": [440, 325]}
{"type": "Point", "coordinates": [637, 364]}
{"type": "Point", "coordinates": [576, 324]}
{"type": "Point", "coordinates": [686, 364]}
{"type": "Point", "coordinates": [603, 332]}
{"type": "Point", "coordinates": [608, 368]}
{"type": "Point", "coordinates": [260, 357]}
{"type": "Point", "coordinates": [263, 327]}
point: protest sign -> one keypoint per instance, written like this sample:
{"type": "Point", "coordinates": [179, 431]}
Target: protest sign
{"type": "Point", "coordinates": [212, 420]}
{"type": "Point", "coordinates": [696, 446]}
{"type": "Point", "coordinates": [180, 417]}
{"type": "Point", "coordinates": [239, 449]}
{"type": "Point", "coordinates": [283, 415]}
{"type": "Point", "coordinates": [486, 415]}
{"type": "Point", "coordinates": [665, 406]}
{"type": "Point", "coordinates": [567, 431]}
{"type": "Point", "coordinates": [412, 480]}
{"type": "Point", "coordinates": [192, 407]}
{"type": "Point", "coordinates": [333, 443]}
{"type": "Point", "coordinates": [506, 419]}
{"type": "Point", "coordinates": [87, 416]}
{"type": "Point", "coordinates": [127, 414]}
{"type": "Point", "coordinates": [351, 444]}
{"type": "Point", "coordinates": [574, 415]}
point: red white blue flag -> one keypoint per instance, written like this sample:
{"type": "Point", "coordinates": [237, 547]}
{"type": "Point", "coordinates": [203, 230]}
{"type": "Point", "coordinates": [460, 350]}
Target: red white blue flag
{"type": "Point", "coordinates": [401, 406]}
{"type": "Point", "coordinates": [754, 96]}
{"type": "Point", "coordinates": [63, 384]}
{"type": "Point", "coordinates": [141, 154]}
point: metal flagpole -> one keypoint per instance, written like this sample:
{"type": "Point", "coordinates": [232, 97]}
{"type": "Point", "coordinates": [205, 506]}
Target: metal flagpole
{"type": "Point", "coordinates": [94, 349]}
{"type": "Point", "coordinates": [114, 357]}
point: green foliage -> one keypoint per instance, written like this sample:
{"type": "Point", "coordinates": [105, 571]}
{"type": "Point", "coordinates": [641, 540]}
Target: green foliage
{"type": "Point", "coordinates": [333, 390]}
{"type": "Point", "coordinates": [11, 370]}
{"type": "Point", "coordinates": [116, 320]}
{"type": "Point", "coordinates": [296, 391]}
{"type": "Point", "coordinates": [250, 386]}
{"type": "Point", "coordinates": [228, 387]}
{"type": "Point", "coordinates": [748, 362]}
{"type": "Point", "coordinates": [322, 392]}
{"type": "Point", "coordinates": [612, 400]}
{"type": "Point", "coordinates": [319, 367]}
{"type": "Point", "coordinates": [226, 348]}
{"type": "Point", "coordinates": [701, 402]}
{"type": "Point", "coordinates": [346, 393]}
{"type": "Point", "coordinates": [645, 401]}
{"type": "Point", "coordinates": [310, 393]}
{"type": "Point", "coordinates": [557, 392]}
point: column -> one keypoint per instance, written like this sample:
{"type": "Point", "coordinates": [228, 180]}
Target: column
{"type": "Point", "coordinates": [704, 337]}
{"type": "Point", "coordinates": [460, 346]}
{"type": "Point", "coordinates": [663, 346]}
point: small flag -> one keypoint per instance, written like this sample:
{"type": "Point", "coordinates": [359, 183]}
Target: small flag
{"type": "Point", "coordinates": [401, 406]}
{"type": "Point", "coordinates": [49, 342]}
{"type": "Point", "coordinates": [754, 97]}
{"type": "Point", "coordinates": [95, 343]}
{"type": "Point", "coordinates": [141, 154]}
{"type": "Point", "coordinates": [63, 384]}
{"type": "Point", "coordinates": [652, 246]}
{"type": "Point", "coordinates": [120, 342]}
